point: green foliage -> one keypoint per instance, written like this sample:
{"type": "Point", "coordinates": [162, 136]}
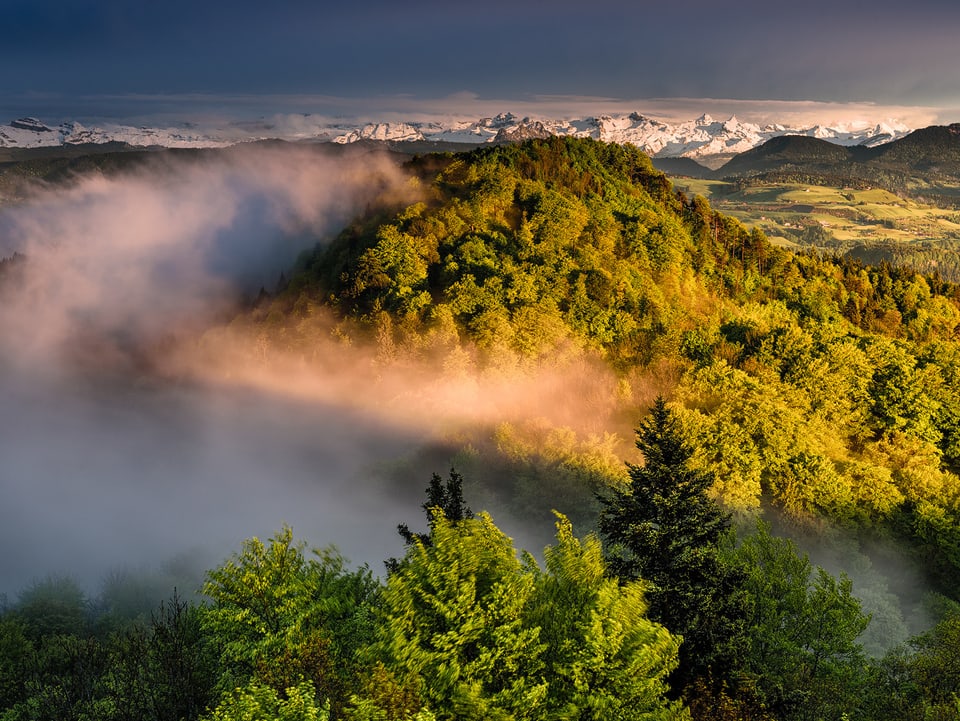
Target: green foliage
{"type": "Point", "coordinates": [527, 465]}
{"type": "Point", "coordinates": [53, 606]}
{"type": "Point", "coordinates": [526, 247]}
{"type": "Point", "coordinates": [603, 657]}
{"type": "Point", "coordinates": [15, 653]}
{"type": "Point", "coordinates": [281, 618]}
{"type": "Point", "coordinates": [65, 681]}
{"type": "Point", "coordinates": [899, 395]}
{"type": "Point", "coordinates": [663, 528]}
{"type": "Point", "coordinates": [452, 624]}
{"type": "Point", "coordinates": [802, 630]}
{"type": "Point", "coordinates": [471, 631]}
{"type": "Point", "coordinates": [255, 702]}
{"type": "Point", "coordinates": [160, 670]}
{"type": "Point", "coordinates": [935, 668]}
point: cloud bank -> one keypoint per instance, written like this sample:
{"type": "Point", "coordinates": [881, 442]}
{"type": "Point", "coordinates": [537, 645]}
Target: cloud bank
{"type": "Point", "coordinates": [104, 464]}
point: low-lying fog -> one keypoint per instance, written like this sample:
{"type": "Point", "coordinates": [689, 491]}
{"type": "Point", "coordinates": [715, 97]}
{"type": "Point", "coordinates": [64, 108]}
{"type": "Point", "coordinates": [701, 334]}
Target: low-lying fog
{"type": "Point", "coordinates": [100, 477]}
{"type": "Point", "coordinates": [103, 466]}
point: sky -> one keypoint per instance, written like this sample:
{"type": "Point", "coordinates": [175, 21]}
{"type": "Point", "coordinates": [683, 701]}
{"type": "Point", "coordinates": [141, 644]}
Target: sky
{"type": "Point", "coordinates": [249, 58]}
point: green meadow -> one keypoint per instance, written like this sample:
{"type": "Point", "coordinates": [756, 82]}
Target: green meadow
{"type": "Point", "coordinates": [796, 214]}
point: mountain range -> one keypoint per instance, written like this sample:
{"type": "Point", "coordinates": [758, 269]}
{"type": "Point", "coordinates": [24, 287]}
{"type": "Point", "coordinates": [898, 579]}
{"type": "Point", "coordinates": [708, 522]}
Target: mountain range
{"type": "Point", "coordinates": [705, 139]}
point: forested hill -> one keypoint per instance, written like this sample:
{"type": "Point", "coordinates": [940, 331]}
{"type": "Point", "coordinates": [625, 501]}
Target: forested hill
{"type": "Point", "coordinates": [523, 248]}
{"type": "Point", "coordinates": [822, 394]}
{"type": "Point", "coordinates": [826, 388]}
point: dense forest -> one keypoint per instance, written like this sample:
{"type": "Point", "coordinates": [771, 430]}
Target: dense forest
{"type": "Point", "coordinates": [782, 543]}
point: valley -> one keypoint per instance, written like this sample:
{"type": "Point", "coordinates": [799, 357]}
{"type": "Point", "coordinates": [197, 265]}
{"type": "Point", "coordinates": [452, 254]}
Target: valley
{"type": "Point", "coordinates": [797, 215]}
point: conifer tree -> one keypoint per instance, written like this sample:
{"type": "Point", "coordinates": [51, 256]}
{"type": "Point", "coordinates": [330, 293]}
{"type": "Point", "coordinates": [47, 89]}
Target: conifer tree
{"type": "Point", "coordinates": [452, 625]}
{"type": "Point", "coordinates": [446, 497]}
{"type": "Point", "coordinates": [665, 529]}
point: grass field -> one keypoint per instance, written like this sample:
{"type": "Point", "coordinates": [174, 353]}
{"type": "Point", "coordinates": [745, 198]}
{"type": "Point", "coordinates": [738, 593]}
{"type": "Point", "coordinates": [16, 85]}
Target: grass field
{"type": "Point", "coordinates": [849, 216]}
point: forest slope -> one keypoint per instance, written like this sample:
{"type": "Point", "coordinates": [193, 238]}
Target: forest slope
{"type": "Point", "coordinates": [823, 387]}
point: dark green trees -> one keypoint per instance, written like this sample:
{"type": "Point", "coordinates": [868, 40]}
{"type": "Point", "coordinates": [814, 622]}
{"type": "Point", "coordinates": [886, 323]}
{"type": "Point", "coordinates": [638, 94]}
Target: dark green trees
{"type": "Point", "coordinates": [445, 495]}
{"type": "Point", "coordinates": [801, 652]}
{"type": "Point", "coordinates": [664, 529]}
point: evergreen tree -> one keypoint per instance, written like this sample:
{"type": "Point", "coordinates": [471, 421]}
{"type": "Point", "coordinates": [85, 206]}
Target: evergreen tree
{"type": "Point", "coordinates": [443, 496]}
{"type": "Point", "coordinates": [603, 657]}
{"type": "Point", "coordinates": [452, 626]}
{"type": "Point", "coordinates": [664, 529]}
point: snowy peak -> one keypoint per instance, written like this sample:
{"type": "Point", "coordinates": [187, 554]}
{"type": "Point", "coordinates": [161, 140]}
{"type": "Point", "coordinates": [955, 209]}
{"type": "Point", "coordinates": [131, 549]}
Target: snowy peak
{"type": "Point", "coordinates": [397, 132]}
{"type": "Point", "coordinates": [699, 138]}
{"type": "Point", "coordinates": [526, 130]}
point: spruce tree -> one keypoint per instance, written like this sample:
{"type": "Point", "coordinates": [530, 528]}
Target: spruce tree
{"type": "Point", "coordinates": [446, 497]}
{"type": "Point", "coordinates": [665, 529]}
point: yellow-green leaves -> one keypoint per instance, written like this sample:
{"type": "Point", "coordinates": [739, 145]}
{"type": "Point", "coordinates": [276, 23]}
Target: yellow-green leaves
{"type": "Point", "coordinates": [256, 702]}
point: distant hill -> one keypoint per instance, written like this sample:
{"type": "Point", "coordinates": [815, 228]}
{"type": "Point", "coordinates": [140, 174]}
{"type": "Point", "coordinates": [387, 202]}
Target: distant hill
{"type": "Point", "coordinates": [933, 149]}
{"type": "Point", "coordinates": [924, 159]}
{"type": "Point", "coordinates": [789, 151]}
{"type": "Point", "coordinates": [686, 167]}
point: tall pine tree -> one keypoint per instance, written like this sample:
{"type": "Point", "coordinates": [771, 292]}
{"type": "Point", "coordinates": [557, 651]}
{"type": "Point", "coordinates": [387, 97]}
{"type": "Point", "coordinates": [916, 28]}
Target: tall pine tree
{"type": "Point", "coordinates": [665, 529]}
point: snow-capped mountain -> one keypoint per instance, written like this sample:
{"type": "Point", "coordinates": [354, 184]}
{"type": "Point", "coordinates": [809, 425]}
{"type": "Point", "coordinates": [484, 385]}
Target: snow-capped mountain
{"type": "Point", "coordinates": [701, 138]}
{"type": "Point", "coordinates": [32, 133]}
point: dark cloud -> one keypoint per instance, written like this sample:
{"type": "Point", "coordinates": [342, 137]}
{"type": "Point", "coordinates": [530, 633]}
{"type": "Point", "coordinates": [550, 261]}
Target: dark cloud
{"type": "Point", "coordinates": [840, 51]}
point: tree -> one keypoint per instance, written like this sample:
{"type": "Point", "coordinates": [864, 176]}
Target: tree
{"type": "Point", "coordinates": [444, 496]}
{"type": "Point", "coordinates": [801, 646]}
{"type": "Point", "coordinates": [603, 657]}
{"type": "Point", "coordinates": [182, 661]}
{"type": "Point", "coordinates": [472, 632]}
{"type": "Point", "coordinates": [935, 668]}
{"type": "Point", "coordinates": [452, 626]}
{"type": "Point", "coordinates": [55, 605]}
{"type": "Point", "coordinates": [664, 529]}
{"type": "Point", "coordinates": [282, 617]}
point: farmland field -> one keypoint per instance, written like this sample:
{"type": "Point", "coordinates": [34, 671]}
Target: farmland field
{"type": "Point", "coordinates": [796, 214]}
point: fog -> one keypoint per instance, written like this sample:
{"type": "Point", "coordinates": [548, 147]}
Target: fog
{"type": "Point", "coordinates": [97, 479]}
{"type": "Point", "coordinates": [139, 425]}
{"type": "Point", "coordinates": [136, 255]}
{"type": "Point", "coordinates": [107, 464]}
